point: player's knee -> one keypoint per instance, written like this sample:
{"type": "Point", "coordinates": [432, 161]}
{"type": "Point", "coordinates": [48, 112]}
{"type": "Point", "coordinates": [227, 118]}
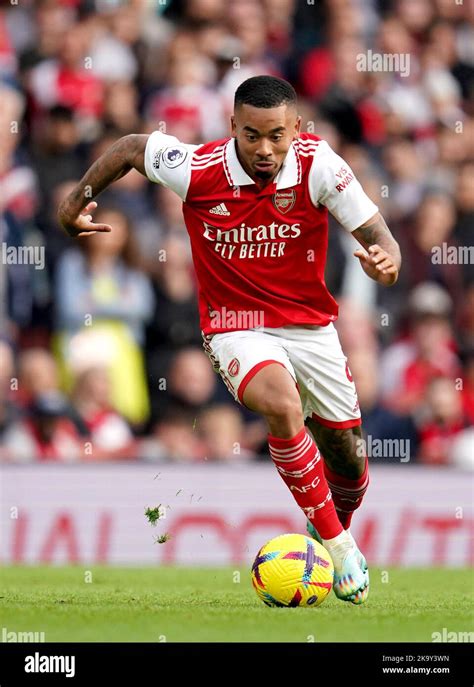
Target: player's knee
{"type": "Point", "coordinates": [284, 415]}
{"type": "Point", "coordinates": [284, 406]}
{"type": "Point", "coordinates": [273, 393]}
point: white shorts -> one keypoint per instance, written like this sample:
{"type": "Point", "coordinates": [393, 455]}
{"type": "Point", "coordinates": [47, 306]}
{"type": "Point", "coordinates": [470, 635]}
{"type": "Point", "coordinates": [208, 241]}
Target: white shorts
{"type": "Point", "coordinates": [312, 355]}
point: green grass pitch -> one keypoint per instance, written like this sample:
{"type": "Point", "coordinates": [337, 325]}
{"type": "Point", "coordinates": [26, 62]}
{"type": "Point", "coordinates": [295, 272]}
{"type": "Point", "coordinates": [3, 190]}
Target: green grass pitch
{"type": "Point", "coordinates": [177, 604]}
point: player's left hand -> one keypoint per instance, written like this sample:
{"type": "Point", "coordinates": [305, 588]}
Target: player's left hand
{"type": "Point", "coordinates": [378, 264]}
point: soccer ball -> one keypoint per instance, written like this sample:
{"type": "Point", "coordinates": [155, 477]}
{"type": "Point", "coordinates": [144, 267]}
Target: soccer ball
{"type": "Point", "coordinates": [292, 570]}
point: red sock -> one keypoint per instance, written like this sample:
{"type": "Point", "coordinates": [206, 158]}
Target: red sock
{"type": "Point", "coordinates": [347, 493]}
{"type": "Point", "coordinates": [300, 465]}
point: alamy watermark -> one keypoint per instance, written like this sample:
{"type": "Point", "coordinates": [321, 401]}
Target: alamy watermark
{"type": "Point", "coordinates": [38, 663]}
{"type": "Point", "coordinates": [383, 62]}
{"type": "Point", "coordinates": [23, 255]}
{"type": "Point", "coordinates": [384, 448]}
{"type": "Point", "coordinates": [12, 637]}
{"type": "Point", "coordinates": [452, 255]}
{"type": "Point", "coordinates": [236, 319]}
{"type": "Point", "coordinates": [447, 636]}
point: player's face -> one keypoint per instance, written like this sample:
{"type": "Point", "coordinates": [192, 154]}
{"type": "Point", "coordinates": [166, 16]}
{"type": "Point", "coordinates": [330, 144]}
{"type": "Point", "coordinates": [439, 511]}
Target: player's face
{"type": "Point", "coordinates": [264, 136]}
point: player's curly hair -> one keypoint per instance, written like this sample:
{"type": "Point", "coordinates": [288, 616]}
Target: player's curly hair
{"type": "Point", "coordinates": [265, 91]}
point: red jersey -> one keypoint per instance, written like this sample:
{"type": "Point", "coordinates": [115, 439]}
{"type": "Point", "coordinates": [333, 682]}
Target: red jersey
{"type": "Point", "coordinates": [259, 253]}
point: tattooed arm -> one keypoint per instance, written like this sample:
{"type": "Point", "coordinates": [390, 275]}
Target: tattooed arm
{"type": "Point", "coordinates": [125, 154]}
{"type": "Point", "coordinates": [380, 256]}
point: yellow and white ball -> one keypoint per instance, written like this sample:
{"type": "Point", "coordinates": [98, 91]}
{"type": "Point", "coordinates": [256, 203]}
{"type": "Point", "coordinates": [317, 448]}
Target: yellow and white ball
{"type": "Point", "coordinates": [292, 570]}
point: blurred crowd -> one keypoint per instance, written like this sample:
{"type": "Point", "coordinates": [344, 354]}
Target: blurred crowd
{"type": "Point", "coordinates": [100, 349]}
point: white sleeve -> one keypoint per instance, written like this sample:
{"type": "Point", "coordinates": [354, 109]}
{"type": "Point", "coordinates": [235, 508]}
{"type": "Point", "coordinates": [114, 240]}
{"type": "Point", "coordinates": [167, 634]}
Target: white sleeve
{"type": "Point", "coordinates": [168, 162]}
{"type": "Point", "coordinates": [332, 183]}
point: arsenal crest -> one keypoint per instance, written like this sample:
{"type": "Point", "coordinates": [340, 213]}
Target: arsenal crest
{"type": "Point", "coordinates": [233, 367]}
{"type": "Point", "coordinates": [284, 200]}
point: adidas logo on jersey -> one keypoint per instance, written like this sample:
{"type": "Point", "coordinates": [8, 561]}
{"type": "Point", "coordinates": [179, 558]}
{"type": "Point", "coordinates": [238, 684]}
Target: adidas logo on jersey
{"type": "Point", "coordinates": [220, 210]}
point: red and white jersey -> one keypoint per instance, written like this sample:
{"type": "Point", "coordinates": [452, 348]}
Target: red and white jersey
{"type": "Point", "coordinates": [259, 254]}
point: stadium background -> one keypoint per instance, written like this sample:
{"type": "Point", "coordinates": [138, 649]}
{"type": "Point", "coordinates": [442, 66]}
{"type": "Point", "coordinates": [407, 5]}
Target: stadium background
{"type": "Point", "coordinates": [108, 403]}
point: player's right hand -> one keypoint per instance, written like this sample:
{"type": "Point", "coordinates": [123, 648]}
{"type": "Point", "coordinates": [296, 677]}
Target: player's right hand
{"type": "Point", "coordinates": [82, 225]}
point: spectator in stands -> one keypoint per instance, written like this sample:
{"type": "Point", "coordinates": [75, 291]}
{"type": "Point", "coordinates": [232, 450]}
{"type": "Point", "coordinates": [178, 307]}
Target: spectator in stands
{"type": "Point", "coordinates": [189, 384]}
{"type": "Point", "coordinates": [169, 209]}
{"type": "Point", "coordinates": [103, 280]}
{"type": "Point", "coordinates": [18, 180]}
{"type": "Point", "coordinates": [408, 366]}
{"type": "Point", "coordinates": [110, 436]}
{"type": "Point", "coordinates": [9, 409]}
{"type": "Point", "coordinates": [175, 323]}
{"type": "Point", "coordinates": [115, 33]}
{"type": "Point", "coordinates": [186, 100]}
{"type": "Point", "coordinates": [379, 422]}
{"type": "Point", "coordinates": [406, 171]}
{"type": "Point", "coordinates": [222, 430]}
{"type": "Point", "coordinates": [45, 434]}
{"type": "Point", "coordinates": [356, 327]}
{"type": "Point", "coordinates": [422, 246]}
{"type": "Point", "coordinates": [443, 423]}
{"type": "Point", "coordinates": [121, 108]}
{"type": "Point", "coordinates": [174, 437]}
{"type": "Point", "coordinates": [103, 304]}
{"type": "Point", "coordinates": [55, 154]}
{"type": "Point", "coordinates": [65, 79]}
{"type": "Point", "coordinates": [37, 374]}
{"type": "Point", "coordinates": [49, 22]}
